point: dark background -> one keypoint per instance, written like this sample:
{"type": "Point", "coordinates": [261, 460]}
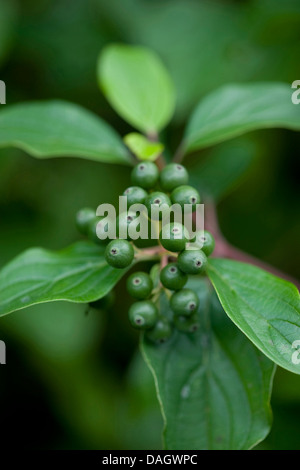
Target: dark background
{"type": "Point", "coordinates": [74, 380]}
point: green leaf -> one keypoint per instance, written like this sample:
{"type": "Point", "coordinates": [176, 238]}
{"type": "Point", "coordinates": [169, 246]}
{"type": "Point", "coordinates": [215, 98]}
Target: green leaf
{"type": "Point", "coordinates": [143, 148]}
{"type": "Point", "coordinates": [137, 85]}
{"type": "Point", "coordinates": [265, 307]}
{"type": "Point", "coordinates": [58, 128]}
{"type": "Point", "coordinates": [78, 273]}
{"type": "Point", "coordinates": [213, 385]}
{"type": "Point", "coordinates": [221, 170]}
{"type": "Point", "coordinates": [235, 109]}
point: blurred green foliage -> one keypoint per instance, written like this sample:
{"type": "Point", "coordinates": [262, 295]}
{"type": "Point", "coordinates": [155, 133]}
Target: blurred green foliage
{"type": "Point", "coordinates": [77, 378]}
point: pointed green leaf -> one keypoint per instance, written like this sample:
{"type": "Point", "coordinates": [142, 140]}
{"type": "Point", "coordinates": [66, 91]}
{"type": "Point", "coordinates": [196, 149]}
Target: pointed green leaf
{"type": "Point", "coordinates": [265, 307]}
{"type": "Point", "coordinates": [78, 273]}
{"type": "Point", "coordinates": [142, 147]}
{"type": "Point", "coordinates": [235, 109]}
{"type": "Point", "coordinates": [137, 85]}
{"type": "Point", "coordinates": [60, 129]}
{"type": "Point", "coordinates": [213, 385]}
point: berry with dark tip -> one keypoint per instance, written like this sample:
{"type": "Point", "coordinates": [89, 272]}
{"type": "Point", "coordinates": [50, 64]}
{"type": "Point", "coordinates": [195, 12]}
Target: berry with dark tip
{"type": "Point", "coordinates": [154, 202]}
{"type": "Point", "coordinates": [143, 314]}
{"type": "Point", "coordinates": [187, 324]}
{"type": "Point", "coordinates": [161, 331]}
{"type": "Point", "coordinates": [145, 175]}
{"type": "Point", "coordinates": [172, 277]}
{"type": "Point", "coordinates": [173, 175]}
{"type": "Point", "coordinates": [119, 253]}
{"type": "Point", "coordinates": [139, 285]}
{"type": "Point", "coordinates": [185, 195]}
{"type": "Point", "coordinates": [123, 222]}
{"type": "Point", "coordinates": [83, 218]}
{"type": "Point", "coordinates": [135, 195]}
{"type": "Point", "coordinates": [192, 261]}
{"type": "Point", "coordinates": [184, 302]}
{"type": "Point", "coordinates": [174, 237]}
{"type": "Point", "coordinates": [206, 242]}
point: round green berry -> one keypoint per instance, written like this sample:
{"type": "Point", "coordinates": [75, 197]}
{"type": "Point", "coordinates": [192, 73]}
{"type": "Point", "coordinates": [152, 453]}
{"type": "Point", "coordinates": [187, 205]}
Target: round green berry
{"type": "Point", "coordinates": [161, 331]}
{"type": "Point", "coordinates": [143, 314]}
{"type": "Point", "coordinates": [83, 219]}
{"type": "Point", "coordinates": [101, 229]}
{"type": "Point", "coordinates": [96, 228]}
{"type": "Point", "coordinates": [173, 175]}
{"type": "Point", "coordinates": [172, 277]}
{"type": "Point", "coordinates": [185, 195]}
{"type": "Point", "coordinates": [119, 253]}
{"type": "Point", "coordinates": [184, 302]}
{"type": "Point", "coordinates": [135, 195]}
{"type": "Point", "coordinates": [192, 261]}
{"type": "Point", "coordinates": [206, 242]}
{"type": "Point", "coordinates": [174, 236]}
{"type": "Point", "coordinates": [187, 324]}
{"type": "Point", "coordinates": [139, 285]}
{"type": "Point", "coordinates": [123, 222]}
{"type": "Point", "coordinates": [154, 203]}
{"type": "Point", "coordinates": [145, 175]}
{"type": "Point", "coordinates": [92, 231]}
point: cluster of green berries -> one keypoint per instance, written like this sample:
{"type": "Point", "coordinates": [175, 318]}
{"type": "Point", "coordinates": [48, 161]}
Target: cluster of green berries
{"type": "Point", "coordinates": [154, 188]}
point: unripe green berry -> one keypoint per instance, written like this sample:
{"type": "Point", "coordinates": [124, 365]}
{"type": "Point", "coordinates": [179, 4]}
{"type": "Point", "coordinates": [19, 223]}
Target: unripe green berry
{"type": "Point", "coordinates": [143, 314]}
{"type": "Point", "coordinates": [139, 285]}
{"type": "Point", "coordinates": [206, 242]}
{"type": "Point", "coordinates": [174, 236]}
{"type": "Point", "coordinates": [145, 175]}
{"type": "Point", "coordinates": [172, 277]}
{"type": "Point", "coordinates": [192, 261]}
{"type": "Point", "coordinates": [184, 302]}
{"type": "Point", "coordinates": [161, 331]}
{"type": "Point", "coordinates": [187, 324]}
{"type": "Point", "coordinates": [135, 195]}
{"type": "Point", "coordinates": [173, 175]}
{"type": "Point", "coordinates": [123, 222]}
{"type": "Point", "coordinates": [155, 200]}
{"type": "Point", "coordinates": [83, 219]}
{"type": "Point", "coordinates": [98, 230]}
{"type": "Point", "coordinates": [119, 253]}
{"type": "Point", "coordinates": [93, 230]}
{"type": "Point", "coordinates": [185, 195]}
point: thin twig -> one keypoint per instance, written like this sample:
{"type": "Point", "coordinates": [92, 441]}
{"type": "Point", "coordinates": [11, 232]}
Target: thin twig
{"type": "Point", "coordinates": [160, 161]}
{"type": "Point", "coordinates": [179, 154]}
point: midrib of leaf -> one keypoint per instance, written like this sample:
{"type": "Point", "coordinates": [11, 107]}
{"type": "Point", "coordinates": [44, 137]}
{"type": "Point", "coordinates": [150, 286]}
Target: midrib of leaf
{"type": "Point", "coordinates": [237, 369]}
{"type": "Point", "coordinates": [211, 130]}
{"type": "Point", "coordinates": [56, 279]}
{"type": "Point", "coordinates": [45, 283]}
{"type": "Point", "coordinates": [77, 150]}
{"type": "Point", "coordinates": [76, 274]}
{"type": "Point", "coordinates": [206, 372]}
{"type": "Point", "coordinates": [159, 399]}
